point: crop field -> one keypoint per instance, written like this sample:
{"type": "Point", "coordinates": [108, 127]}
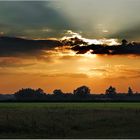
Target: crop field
{"type": "Point", "coordinates": [69, 120]}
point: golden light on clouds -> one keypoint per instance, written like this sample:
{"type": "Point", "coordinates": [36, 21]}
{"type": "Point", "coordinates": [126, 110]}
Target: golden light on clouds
{"type": "Point", "coordinates": [70, 34]}
{"type": "Point", "coordinates": [41, 58]}
{"type": "Point", "coordinates": [89, 54]}
{"type": "Point", "coordinates": [61, 67]}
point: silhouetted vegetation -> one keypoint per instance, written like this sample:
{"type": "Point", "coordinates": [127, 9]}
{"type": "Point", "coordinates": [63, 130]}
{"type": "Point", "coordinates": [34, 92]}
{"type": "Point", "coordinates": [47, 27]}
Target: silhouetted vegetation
{"type": "Point", "coordinates": [130, 91]}
{"type": "Point", "coordinates": [29, 94]}
{"type": "Point", "coordinates": [111, 91]}
{"type": "Point", "coordinates": [57, 92]}
{"type": "Point", "coordinates": [81, 93]}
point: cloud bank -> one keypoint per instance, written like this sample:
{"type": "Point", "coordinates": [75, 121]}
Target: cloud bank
{"type": "Point", "coordinates": [11, 46]}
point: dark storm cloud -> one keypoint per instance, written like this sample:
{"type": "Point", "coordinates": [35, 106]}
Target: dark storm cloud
{"type": "Point", "coordinates": [18, 47]}
{"type": "Point", "coordinates": [130, 48]}
{"type": "Point", "coordinates": [10, 46]}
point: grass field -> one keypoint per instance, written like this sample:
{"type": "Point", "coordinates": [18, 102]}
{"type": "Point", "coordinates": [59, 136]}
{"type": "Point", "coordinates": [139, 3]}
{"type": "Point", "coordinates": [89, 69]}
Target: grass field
{"type": "Point", "coordinates": [70, 120]}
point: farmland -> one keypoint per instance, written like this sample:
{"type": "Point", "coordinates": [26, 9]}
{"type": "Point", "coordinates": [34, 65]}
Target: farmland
{"type": "Point", "coordinates": [69, 120]}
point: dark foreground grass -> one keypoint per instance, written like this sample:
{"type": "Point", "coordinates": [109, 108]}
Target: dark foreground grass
{"type": "Point", "coordinates": [70, 120]}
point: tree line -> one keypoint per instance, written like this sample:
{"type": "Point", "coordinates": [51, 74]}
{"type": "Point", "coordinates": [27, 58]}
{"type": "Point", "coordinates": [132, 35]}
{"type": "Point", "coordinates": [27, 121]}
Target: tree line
{"type": "Point", "coordinates": [82, 93]}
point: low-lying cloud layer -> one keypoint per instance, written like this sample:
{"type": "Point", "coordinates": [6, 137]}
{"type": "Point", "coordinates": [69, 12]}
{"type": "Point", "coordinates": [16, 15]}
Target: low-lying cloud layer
{"type": "Point", "coordinates": [133, 48]}
{"type": "Point", "coordinates": [110, 46]}
{"type": "Point", "coordinates": [18, 47]}
{"type": "Point", "coordinates": [10, 47]}
{"type": "Point", "coordinates": [68, 75]}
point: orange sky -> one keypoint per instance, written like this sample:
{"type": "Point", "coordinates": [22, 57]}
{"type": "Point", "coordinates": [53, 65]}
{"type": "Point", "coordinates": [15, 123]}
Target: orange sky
{"type": "Point", "coordinates": [62, 69]}
{"type": "Point", "coordinates": [49, 67]}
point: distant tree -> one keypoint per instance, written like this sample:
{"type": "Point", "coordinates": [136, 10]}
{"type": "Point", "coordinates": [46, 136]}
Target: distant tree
{"type": "Point", "coordinates": [40, 91]}
{"type": "Point", "coordinates": [130, 91]}
{"type": "Point", "coordinates": [111, 91]}
{"type": "Point", "coordinates": [57, 92]}
{"type": "Point", "coordinates": [82, 91]}
{"type": "Point", "coordinates": [29, 93]}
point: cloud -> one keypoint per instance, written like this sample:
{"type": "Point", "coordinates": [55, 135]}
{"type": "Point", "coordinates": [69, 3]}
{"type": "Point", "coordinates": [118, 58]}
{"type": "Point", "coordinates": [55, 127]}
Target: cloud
{"type": "Point", "coordinates": [98, 18]}
{"type": "Point", "coordinates": [10, 46]}
{"type": "Point", "coordinates": [120, 72]}
{"type": "Point", "coordinates": [95, 18]}
{"type": "Point", "coordinates": [131, 73]}
{"type": "Point", "coordinates": [98, 70]}
{"type": "Point", "coordinates": [27, 18]}
{"type": "Point", "coordinates": [75, 38]}
{"type": "Point", "coordinates": [111, 46]}
{"type": "Point", "coordinates": [132, 48]}
{"type": "Point", "coordinates": [131, 33]}
{"type": "Point", "coordinates": [46, 49]}
{"type": "Point", "coordinates": [68, 75]}
{"type": "Point", "coordinates": [13, 62]}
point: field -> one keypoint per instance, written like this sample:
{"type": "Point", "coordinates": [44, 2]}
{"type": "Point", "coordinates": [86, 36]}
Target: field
{"type": "Point", "coordinates": [69, 120]}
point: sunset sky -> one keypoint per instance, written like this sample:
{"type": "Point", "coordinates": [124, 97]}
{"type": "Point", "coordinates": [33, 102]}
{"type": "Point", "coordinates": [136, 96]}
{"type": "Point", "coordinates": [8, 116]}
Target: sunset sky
{"type": "Point", "coordinates": [59, 67]}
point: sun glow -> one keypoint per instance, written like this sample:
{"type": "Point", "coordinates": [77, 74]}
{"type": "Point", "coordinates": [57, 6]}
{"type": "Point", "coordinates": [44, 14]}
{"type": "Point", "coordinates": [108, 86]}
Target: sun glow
{"type": "Point", "coordinates": [66, 51]}
{"type": "Point", "coordinates": [89, 54]}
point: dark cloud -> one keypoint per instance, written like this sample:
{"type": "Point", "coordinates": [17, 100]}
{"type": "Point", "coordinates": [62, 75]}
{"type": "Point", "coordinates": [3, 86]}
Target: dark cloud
{"type": "Point", "coordinates": [131, 48]}
{"type": "Point", "coordinates": [19, 47]}
{"type": "Point", "coordinates": [73, 41]}
{"type": "Point", "coordinates": [11, 46]}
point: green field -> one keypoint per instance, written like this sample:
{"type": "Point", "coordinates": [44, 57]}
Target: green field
{"type": "Point", "coordinates": [70, 120]}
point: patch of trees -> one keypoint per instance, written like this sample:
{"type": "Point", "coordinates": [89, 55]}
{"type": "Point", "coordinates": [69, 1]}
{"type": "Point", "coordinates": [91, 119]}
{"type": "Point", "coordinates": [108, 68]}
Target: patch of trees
{"type": "Point", "coordinates": [81, 93]}
{"type": "Point", "coordinates": [111, 91]}
{"type": "Point", "coordinates": [30, 94]}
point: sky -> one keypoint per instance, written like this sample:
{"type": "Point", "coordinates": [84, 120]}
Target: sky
{"type": "Point", "coordinates": [57, 66]}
